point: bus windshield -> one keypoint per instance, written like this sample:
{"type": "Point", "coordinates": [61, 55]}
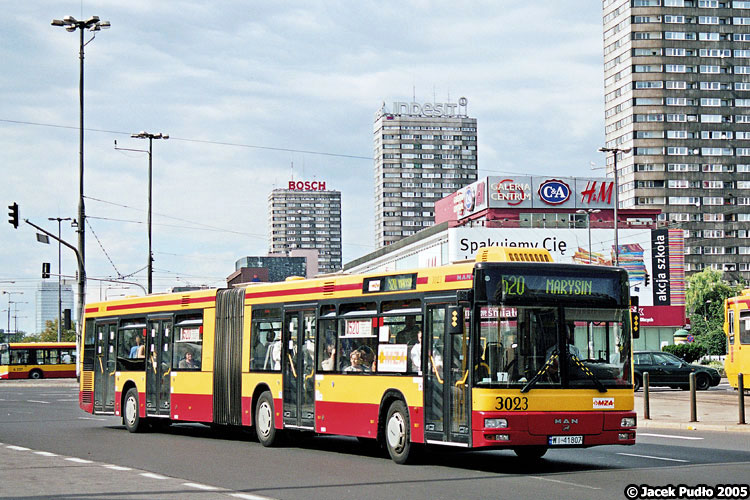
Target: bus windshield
{"type": "Point", "coordinates": [552, 347]}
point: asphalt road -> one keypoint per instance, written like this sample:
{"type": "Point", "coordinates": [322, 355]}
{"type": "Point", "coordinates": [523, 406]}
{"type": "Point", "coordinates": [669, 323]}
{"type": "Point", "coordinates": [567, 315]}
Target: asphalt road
{"type": "Point", "coordinates": [47, 419]}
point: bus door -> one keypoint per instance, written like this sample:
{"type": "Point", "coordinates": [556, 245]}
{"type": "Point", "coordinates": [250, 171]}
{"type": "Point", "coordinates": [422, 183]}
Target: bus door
{"type": "Point", "coordinates": [158, 366]}
{"type": "Point", "coordinates": [105, 362]}
{"type": "Point", "coordinates": [446, 378]}
{"type": "Point", "coordinates": [298, 360]}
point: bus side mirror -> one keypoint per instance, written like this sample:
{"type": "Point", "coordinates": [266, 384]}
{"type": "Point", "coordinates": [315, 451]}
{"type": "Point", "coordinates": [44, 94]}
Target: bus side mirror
{"type": "Point", "coordinates": [455, 320]}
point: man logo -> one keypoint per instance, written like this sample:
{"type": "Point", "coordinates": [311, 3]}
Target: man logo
{"type": "Point", "coordinates": [554, 192]}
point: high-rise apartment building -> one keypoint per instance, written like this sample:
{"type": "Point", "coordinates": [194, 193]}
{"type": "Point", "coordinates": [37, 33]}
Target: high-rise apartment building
{"type": "Point", "coordinates": [677, 94]}
{"type": "Point", "coordinates": [46, 302]}
{"type": "Point", "coordinates": [306, 216]}
{"type": "Point", "coordinates": [423, 152]}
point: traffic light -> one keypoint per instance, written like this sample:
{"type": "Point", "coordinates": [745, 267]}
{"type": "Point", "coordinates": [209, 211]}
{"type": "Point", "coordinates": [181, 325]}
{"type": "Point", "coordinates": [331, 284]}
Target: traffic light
{"type": "Point", "coordinates": [13, 215]}
{"type": "Point", "coordinates": [45, 270]}
{"type": "Point", "coordinates": [66, 319]}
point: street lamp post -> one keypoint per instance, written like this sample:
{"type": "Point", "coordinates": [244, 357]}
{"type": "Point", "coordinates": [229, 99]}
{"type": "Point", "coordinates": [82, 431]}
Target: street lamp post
{"type": "Point", "coordinates": [9, 303]}
{"type": "Point", "coordinates": [71, 24]}
{"type": "Point", "coordinates": [150, 137]}
{"type": "Point", "coordinates": [615, 152]}
{"type": "Point", "coordinates": [588, 213]}
{"type": "Point", "coordinates": [59, 275]}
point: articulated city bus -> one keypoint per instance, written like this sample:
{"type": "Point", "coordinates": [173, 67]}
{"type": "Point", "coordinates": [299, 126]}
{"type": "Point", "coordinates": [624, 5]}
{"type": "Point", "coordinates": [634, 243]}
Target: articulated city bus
{"type": "Point", "coordinates": [737, 329]}
{"type": "Point", "coordinates": [511, 351]}
{"type": "Point", "coordinates": [37, 360]}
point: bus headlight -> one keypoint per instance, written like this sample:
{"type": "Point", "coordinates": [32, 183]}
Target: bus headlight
{"type": "Point", "coordinates": [495, 423]}
{"type": "Point", "coordinates": [627, 422]}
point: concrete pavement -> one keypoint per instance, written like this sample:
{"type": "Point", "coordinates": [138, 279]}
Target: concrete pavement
{"type": "Point", "coordinates": [717, 409]}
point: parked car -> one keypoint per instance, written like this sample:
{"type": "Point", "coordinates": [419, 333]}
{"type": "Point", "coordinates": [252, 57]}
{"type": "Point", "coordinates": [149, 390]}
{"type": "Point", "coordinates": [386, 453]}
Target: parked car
{"type": "Point", "coordinates": [667, 369]}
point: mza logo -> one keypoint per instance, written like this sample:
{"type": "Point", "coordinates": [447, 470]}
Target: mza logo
{"type": "Point", "coordinates": [554, 192]}
{"type": "Point", "coordinates": [604, 403]}
{"type": "Point", "coordinates": [469, 199]}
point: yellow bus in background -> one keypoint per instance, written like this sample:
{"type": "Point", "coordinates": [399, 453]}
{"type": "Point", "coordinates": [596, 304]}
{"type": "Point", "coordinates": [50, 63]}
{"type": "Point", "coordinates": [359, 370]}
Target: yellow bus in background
{"type": "Point", "coordinates": [509, 351]}
{"type": "Point", "coordinates": [37, 360]}
{"type": "Point", "coordinates": [737, 329]}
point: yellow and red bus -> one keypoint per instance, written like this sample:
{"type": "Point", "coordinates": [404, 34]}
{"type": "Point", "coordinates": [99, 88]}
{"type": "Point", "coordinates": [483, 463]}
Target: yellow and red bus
{"type": "Point", "coordinates": [511, 351]}
{"type": "Point", "coordinates": [737, 330]}
{"type": "Point", "coordinates": [37, 360]}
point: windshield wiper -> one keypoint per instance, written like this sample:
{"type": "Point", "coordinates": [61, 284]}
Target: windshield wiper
{"type": "Point", "coordinates": [542, 371]}
{"type": "Point", "coordinates": [588, 373]}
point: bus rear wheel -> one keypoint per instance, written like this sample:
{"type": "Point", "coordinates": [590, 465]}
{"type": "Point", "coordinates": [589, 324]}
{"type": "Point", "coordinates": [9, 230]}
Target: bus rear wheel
{"type": "Point", "coordinates": [397, 434]}
{"type": "Point", "coordinates": [130, 416]}
{"type": "Point", "coordinates": [264, 420]}
{"type": "Point", "coordinates": [36, 374]}
{"type": "Point", "coordinates": [530, 452]}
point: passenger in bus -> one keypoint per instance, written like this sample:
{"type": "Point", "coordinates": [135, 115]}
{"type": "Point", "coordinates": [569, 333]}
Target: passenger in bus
{"type": "Point", "coordinates": [273, 354]}
{"type": "Point", "coordinates": [357, 361]}
{"type": "Point", "coordinates": [415, 354]}
{"type": "Point", "coordinates": [408, 335]}
{"type": "Point", "coordinates": [188, 362]}
{"type": "Point", "coordinates": [330, 361]}
{"type": "Point", "coordinates": [138, 350]}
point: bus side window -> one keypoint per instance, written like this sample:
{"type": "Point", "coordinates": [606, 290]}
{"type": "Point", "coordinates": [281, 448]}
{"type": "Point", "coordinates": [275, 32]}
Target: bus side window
{"type": "Point", "coordinates": [745, 327]}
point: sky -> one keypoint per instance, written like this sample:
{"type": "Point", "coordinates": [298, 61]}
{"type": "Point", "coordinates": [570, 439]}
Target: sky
{"type": "Point", "coordinates": [253, 94]}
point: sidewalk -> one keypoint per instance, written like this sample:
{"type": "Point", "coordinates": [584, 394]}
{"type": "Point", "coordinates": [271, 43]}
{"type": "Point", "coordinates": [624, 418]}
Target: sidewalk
{"type": "Point", "coordinates": [717, 409]}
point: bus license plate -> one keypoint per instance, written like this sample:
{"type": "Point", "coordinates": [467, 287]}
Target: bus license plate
{"type": "Point", "coordinates": [565, 440]}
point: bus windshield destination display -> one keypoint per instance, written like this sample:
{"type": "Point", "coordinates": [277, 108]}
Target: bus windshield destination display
{"type": "Point", "coordinates": [526, 286]}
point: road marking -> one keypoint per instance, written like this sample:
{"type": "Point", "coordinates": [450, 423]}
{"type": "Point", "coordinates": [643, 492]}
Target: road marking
{"type": "Point", "coordinates": [46, 454]}
{"type": "Point", "coordinates": [91, 418]}
{"type": "Point", "coordinates": [200, 486]}
{"type": "Point", "coordinates": [669, 436]}
{"type": "Point", "coordinates": [654, 458]}
{"type": "Point", "coordinates": [17, 448]}
{"type": "Point", "coordinates": [78, 460]}
{"type": "Point", "coordinates": [37, 401]}
{"type": "Point", "coordinates": [116, 467]}
{"type": "Point", "coordinates": [67, 400]}
{"type": "Point", "coordinates": [248, 496]}
{"type": "Point", "coordinates": [152, 475]}
{"type": "Point", "coordinates": [566, 482]}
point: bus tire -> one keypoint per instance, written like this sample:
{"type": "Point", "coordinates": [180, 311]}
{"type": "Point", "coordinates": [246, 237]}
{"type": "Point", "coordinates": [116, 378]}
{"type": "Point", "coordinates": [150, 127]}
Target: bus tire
{"type": "Point", "coordinates": [530, 452]}
{"type": "Point", "coordinates": [397, 433]}
{"type": "Point", "coordinates": [36, 374]}
{"type": "Point", "coordinates": [264, 420]}
{"type": "Point", "coordinates": [130, 415]}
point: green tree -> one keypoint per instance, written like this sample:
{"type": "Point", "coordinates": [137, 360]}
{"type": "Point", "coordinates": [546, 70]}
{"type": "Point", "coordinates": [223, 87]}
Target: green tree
{"type": "Point", "coordinates": [704, 300]}
{"type": "Point", "coordinates": [49, 334]}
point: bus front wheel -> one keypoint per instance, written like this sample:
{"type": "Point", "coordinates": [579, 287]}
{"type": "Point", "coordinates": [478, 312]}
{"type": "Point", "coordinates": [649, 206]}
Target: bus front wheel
{"type": "Point", "coordinates": [264, 420]}
{"type": "Point", "coordinates": [36, 374]}
{"type": "Point", "coordinates": [397, 435]}
{"type": "Point", "coordinates": [130, 416]}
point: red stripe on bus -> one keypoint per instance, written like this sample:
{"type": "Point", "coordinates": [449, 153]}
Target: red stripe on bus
{"type": "Point", "coordinates": [739, 301]}
{"type": "Point", "coordinates": [301, 291]}
{"type": "Point", "coordinates": [192, 407]}
{"type": "Point", "coordinates": [161, 303]}
{"type": "Point", "coordinates": [458, 277]}
{"type": "Point", "coordinates": [92, 309]}
{"type": "Point", "coordinates": [422, 281]}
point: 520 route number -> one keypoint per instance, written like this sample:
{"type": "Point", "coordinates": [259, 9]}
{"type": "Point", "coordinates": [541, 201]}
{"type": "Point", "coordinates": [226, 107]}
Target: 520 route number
{"type": "Point", "coordinates": [511, 404]}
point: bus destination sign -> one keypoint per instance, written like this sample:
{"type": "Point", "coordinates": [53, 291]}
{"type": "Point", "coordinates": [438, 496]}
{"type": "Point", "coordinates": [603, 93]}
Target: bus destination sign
{"type": "Point", "coordinates": [394, 283]}
{"type": "Point", "coordinates": [526, 286]}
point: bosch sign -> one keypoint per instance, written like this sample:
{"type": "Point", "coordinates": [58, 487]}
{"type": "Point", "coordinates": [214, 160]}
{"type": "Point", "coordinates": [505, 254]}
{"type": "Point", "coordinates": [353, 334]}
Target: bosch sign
{"type": "Point", "coordinates": [554, 192]}
{"type": "Point", "coordinates": [307, 186]}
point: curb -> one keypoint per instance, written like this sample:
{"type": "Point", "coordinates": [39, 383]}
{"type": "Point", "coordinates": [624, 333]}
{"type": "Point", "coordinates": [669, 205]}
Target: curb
{"type": "Point", "coordinates": [692, 426]}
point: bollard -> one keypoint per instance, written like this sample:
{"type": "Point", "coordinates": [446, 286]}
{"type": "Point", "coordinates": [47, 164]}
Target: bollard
{"type": "Point", "coordinates": [693, 408]}
{"type": "Point", "coordinates": [646, 408]}
{"type": "Point", "coordinates": [741, 392]}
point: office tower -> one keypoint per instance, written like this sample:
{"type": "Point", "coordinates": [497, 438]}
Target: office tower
{"type": "Point", "coordinates": [46, 302]}
{"type": "Point", "coordinates": [306, 216]}
{"type": "Point", "coordinates": [423, 152]}
{"type": "Point", "coordinates": [677, 94]}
